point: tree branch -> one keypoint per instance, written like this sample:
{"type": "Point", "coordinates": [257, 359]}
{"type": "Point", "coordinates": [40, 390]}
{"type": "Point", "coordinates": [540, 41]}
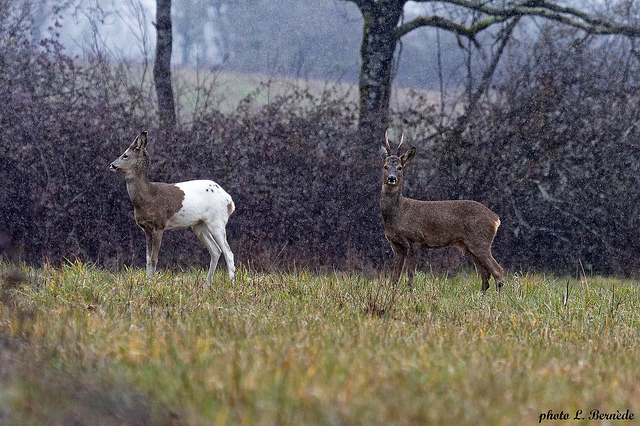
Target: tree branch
{"type": "Point", "coordinates": [540, 8]}
{"type": "Point", "coordinates": [445, 24]}
{"type": "Point", "coordinates": [487, 76]}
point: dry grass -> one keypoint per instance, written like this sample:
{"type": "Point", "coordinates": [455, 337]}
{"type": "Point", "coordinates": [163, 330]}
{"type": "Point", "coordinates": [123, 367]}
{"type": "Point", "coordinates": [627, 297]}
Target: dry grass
{"type": "Point", "coordinates": [225, 90]}
{"type": "Point", "coordinates": [81, 345]}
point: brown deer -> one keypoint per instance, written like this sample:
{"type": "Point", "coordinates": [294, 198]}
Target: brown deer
{"type": "Point", "coordinates": [410, 225]}
{"type": "Point", "coordinates": [201, 205]}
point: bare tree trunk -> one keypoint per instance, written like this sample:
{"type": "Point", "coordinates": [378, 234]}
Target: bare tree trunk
{"type": "Point", "coordinates": [162, 66]}
{"type": "Point", "coordinates": [382, 32]}
{"type": "Point", "coordinates": [377, 53]}
{"type": "Point", "coordinates": [378, 46]}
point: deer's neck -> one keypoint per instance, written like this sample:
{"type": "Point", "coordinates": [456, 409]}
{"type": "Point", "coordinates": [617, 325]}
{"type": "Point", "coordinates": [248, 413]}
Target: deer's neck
{"type": "Point", "coordinates": [390, 199]}
{"type": "Point", "coordinates": [138, 187]}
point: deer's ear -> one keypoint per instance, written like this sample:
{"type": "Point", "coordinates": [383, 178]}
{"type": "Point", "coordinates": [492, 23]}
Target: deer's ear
{"type": "Point", "coordinates": [140, 142]}
{"type": "Point", "coordinates": [383, 152]}
{"type": "Point", "coordinates": [408, 156]}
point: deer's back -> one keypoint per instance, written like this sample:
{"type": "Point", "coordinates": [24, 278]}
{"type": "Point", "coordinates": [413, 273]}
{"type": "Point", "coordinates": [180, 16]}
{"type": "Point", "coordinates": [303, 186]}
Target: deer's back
{"type": "Point", "coordinates": [204, 201]}
{"type": "Point", "coordinates": [440, 223]}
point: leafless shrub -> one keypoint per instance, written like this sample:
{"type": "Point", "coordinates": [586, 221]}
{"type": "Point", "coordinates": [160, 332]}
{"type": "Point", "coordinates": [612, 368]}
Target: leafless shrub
{"type": "Point", "coordinates": [551, 150]}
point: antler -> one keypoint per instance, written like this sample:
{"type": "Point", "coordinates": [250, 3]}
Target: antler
{"type": "Point", "coordinates": [386, 143]}
{"type": "Point", "coordinates": [400, 146]}
{"type": "Point", "coordinates": [388, 148]}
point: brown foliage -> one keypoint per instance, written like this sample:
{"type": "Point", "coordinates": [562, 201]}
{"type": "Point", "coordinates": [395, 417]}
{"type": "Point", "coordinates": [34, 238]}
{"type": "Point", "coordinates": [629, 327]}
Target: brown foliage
{"type": "Point", "coordinates": [552, 152]}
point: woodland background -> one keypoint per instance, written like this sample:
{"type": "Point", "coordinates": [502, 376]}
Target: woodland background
{"type": "Point", "coordinates": [552, 146]}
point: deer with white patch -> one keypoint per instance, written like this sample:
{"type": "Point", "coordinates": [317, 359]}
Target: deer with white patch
{"type": "Point", "coordinates": [410, 225]}
{"type": "Point", "coordinates": [201, 205]}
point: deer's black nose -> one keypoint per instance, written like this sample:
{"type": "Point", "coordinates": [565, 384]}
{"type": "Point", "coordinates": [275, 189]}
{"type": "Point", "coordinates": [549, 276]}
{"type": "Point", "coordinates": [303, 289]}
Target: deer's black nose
{"type": "Point", "coordinates": [392, 180]}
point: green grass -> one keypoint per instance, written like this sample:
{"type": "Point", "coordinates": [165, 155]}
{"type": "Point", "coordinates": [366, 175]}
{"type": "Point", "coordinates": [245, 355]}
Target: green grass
{"type": "Point", "coordinates": [78, 344]}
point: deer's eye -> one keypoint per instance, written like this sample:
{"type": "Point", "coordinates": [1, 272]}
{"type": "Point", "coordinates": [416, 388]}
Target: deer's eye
{"type": "Point", "coordinates": [125, 156]}
{"type": "Point", "coordinates": [399, 168]}
{"type": "Point", "coordinates": [386, 167]}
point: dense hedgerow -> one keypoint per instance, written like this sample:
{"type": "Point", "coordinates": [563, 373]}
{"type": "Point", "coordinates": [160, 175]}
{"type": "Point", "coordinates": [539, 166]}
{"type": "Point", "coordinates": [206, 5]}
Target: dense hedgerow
{"type": "Point", "coordinates": [552, 150]}
{"type": "Point", "coordinates": [555, 152]}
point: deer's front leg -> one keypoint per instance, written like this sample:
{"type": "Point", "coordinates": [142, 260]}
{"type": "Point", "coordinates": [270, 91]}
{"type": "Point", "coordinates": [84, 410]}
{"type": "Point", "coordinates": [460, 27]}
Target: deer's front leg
{"type": "Point", "coordinates": [154, 240]}
{"type": "Point", "coordinates": [149, 241]}
{"type": "Point", "coordinates": [413, 255]}
{"type": "Point", "coordinates": [399, 255]}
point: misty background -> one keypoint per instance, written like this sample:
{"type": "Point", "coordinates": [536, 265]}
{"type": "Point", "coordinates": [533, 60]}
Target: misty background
{"type": "Point", "coordinates": [317, 39]}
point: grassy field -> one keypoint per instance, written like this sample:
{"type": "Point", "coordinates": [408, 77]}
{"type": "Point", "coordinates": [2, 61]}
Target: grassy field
{"type": "Point", "coordinates": [82, 346]}
{"type": "Point", "coordinates": [225, 90]}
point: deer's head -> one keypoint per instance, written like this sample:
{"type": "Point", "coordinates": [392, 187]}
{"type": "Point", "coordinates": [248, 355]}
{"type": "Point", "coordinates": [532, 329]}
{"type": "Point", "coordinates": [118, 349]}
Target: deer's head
{"type": "Point", "coordinates": [134, 160]}
{"type": "Point", "coordinates": [394, 163]}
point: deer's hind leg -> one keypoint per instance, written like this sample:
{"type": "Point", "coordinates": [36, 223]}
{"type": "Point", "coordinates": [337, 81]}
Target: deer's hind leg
{"type": "Point", "coordinates": [496, 271]}
{"type": "Point", "coordinates": [483, 257]}
{"type": "Point", "coordinates": [220, 236]}
{"type": "Point", "coordinates": [484, 272]}
{"type": "Point", "coordinates": [209, 242]}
